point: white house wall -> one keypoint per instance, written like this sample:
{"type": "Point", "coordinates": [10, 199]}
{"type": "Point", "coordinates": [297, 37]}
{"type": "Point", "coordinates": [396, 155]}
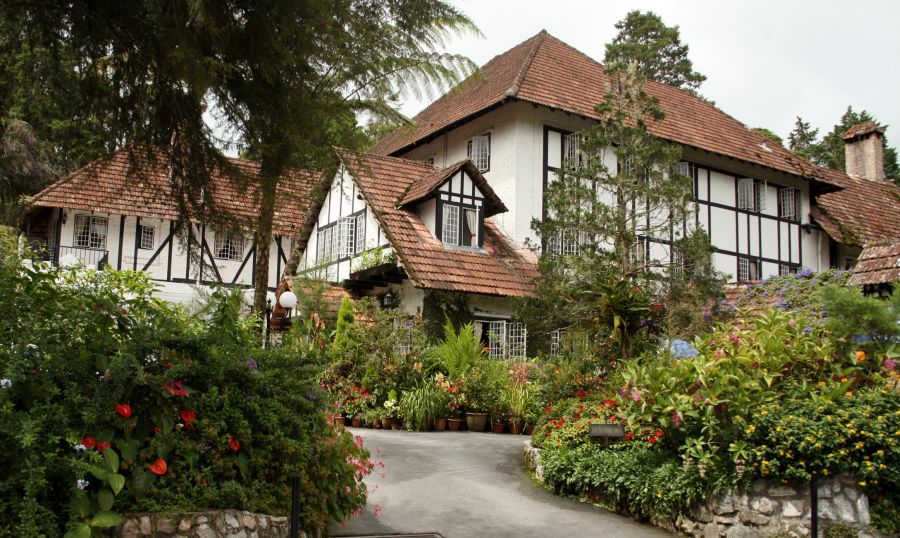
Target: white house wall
{"type": "Point", "coordinates": [167, 262]}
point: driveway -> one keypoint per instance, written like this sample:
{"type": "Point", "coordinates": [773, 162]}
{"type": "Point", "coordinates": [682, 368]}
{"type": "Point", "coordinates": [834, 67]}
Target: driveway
{"type": "Point", "coordinates": [462, 484]}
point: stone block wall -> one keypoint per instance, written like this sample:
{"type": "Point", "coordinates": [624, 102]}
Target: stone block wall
{"type": "Point", "coordinates": [768, 508]}
{"type": "Point", "coordinates": [209, 524]}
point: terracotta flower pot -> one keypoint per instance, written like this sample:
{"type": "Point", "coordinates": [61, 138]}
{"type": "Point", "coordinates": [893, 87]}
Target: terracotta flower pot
{"type": "Point", "coordinates": [440, 424]}
{"type": "Point", "coordinates": [499, 427]}
{"type": "Point", "coordinates": [529, 429]}
{"type": "Point", "coordinates": [386, 422]}
{"type": "Point", "coordinates": [454, 424]}
{"type": "Point", "coordinates": [395, 426]}
{"type": "Point", "coordinates": [515, 427]}
{"type": "Point", "coordinates": [476, 421]}
{"type": "Point", "coordinates": [356, 422]}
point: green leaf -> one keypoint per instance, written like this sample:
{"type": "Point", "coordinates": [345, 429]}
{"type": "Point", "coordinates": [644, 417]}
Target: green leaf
{"type": "Point", "coordinates": [112, 460]}
{"type": "Point", "coordinates": [98, 472]}
{"type": "Point", "coordinates": [81, 531]}
{"type": "Point", "coordinates": [116, 482]}
{"type": "Point", "coordinates": [82, 505]}
{"type": "Point", "coordinates": [105, 499]}
{"type": "Point", "coordinates": [128, 450]}
{"type": "Point", "coordinates": [106, 519]}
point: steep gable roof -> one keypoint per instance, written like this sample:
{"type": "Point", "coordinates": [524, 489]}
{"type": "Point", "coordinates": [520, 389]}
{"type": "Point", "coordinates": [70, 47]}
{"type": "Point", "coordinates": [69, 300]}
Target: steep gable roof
{"type": "Point", "coordinates": [420, 190]}
{"type": "Point", "coordinates": [860, 212]}
{"type": "Point", "coordinates": [546, 71]}
{"type": "Point", "coordinates": [500, 269]}
{"type": "Point", "coordinates": [137, 186]}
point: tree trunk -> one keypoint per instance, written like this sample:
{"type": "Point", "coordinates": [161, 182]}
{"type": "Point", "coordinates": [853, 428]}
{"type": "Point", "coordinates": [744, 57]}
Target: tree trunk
{"type": "Point", "coordinates": [268, 183]}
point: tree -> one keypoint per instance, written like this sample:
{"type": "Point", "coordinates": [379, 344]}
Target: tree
{"type": "Point", "coordinates": [769, 134]}
{"type": "Point", "coordinates": [644, 38]}
{"type": "Point", "coordinates": [802, 139]}
{"type": "Point", "coordinates": [283, 80]}
{"type": "Point", "coordinates": [618, 192]}
{"type": "Point", "coordinates": [829, 152]}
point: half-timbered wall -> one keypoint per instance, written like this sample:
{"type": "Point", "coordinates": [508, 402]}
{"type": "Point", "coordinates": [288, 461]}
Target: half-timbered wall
{"type": "Point", "coordinates": [157, 247]}
{"type": "Point", "coordinates": [334, 248]}
{"type": "Point", "coordinates": [459, 191]}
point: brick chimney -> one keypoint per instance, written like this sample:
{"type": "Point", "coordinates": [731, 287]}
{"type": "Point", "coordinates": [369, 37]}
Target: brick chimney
{"type": "Point", "coordinates": [864, 151]}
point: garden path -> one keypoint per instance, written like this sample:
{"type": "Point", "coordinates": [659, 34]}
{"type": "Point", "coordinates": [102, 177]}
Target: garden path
{"type": "Point", "coordinates": [463, 484]}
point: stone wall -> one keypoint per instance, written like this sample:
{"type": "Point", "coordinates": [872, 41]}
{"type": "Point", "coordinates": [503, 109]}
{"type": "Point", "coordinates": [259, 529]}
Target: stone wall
{"type": "Point", "coordinates": [209, 524]}
{"type": "Point", "coordinates": [768, 508]}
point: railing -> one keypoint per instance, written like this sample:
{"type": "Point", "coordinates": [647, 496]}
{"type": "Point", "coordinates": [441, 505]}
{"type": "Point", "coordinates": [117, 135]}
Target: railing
{"type": "Point", "coordinates": [87, 257]}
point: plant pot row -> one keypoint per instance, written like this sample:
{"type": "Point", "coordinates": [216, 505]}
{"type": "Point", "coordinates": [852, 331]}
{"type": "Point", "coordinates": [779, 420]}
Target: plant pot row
{"type": "Point", "coordinates": [476, 422]}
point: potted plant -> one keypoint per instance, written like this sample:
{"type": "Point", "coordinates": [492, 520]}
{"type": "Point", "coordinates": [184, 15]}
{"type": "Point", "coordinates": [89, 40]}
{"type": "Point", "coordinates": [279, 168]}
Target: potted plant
{"type": "Point", "coordinates": [517, 399]}
{"type": "Point", "coordinates": [390, 412]}
{"type": "Point", "coordinates": [481, 386]}
{"type": "Point", "coordinates": [357, 403]}
{"type": "Point", "coordinates": [422, 405]}
{"type": "Point", "coordinates": [455, 406]}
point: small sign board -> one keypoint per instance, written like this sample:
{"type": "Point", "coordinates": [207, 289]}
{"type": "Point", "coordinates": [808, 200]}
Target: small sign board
{"type": "Point", "coordinates": [606, 431]}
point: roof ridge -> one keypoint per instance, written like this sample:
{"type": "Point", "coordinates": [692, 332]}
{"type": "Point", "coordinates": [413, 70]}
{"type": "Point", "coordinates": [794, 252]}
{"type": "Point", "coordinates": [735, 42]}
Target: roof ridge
{"type": "Point", "coordinates": [403, 160]}
{"type": "Point", "coordinates": [539, 38]}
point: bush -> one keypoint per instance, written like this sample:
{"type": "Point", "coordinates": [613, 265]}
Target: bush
{"type": "Point", "coordinates": [112, 400]}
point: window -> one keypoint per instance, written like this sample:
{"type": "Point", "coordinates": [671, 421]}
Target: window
{"type": "Point", "coordinates": [450, 228]}
{"type": "Point", "coordinates": [684, 168]}
{"type": "Point", "coordinates": [346, 237]}
{"type": "Point", "coordinates": [403, 336]}
{"type": "Point", "coordinates": [556, 342]}
{"type": "Point", "coordinates": [90, 231]}
{"type": "Point", "coordinates": [429, 160]}
{"type": "Point", "coordinates": [785, 269]}
{"type": "Point", "coordinates": [789, 203]}
{"type": "Point", "coordinates": [229, 246]}
{"type": "Point", "coordinates": [502, 339]}
{"type": "Point", "coordinates": [516, 340]}
{"type": "Point", "coordinates": [146, 237]}
{"type": "Point", "coordinates": [470, 227]}
{"type": "Point", "coordinates": [572, 150]}
{"type": "Point", "coordinates": [677, 261]}
{"type": "Point", "coordinates": [360, 232]}
{"type": "Point", "coordinates": [327, 245]}
{"type": "Point", "coordinates": [751, 194]}
{"type": "Point", "coordinates": [479, 150]}
{"type": "Point", "coordinates": [639, 252]}
{"type": "Point", "coordinates": [748, 270]}
{"type": "Point", "coordinates": [567, 242]}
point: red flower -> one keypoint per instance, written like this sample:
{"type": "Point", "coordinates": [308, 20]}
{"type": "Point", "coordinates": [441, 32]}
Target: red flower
{"type": "Point", "coordinates": [124, 410]}
{"type": "Point", "coordinates": [658, 433]}
{"type": "Point", "coordinates": [89, 442]}
{"type": "Point", "coordinates": [188, 415]}
{"type": "Point", "coordinates": [321, 342]}
{"type": "Point", "coordinates": [234, 444]}
{"type": "Point", "coordinates": [629, 436]}
{"type": "Point", "coordinates": [651, 439]}
{"type": "Point", "coordinates": [101, 446]}
{"type": "Point", "coordinates": [175, 389]}
{"type": "Point", "coordinates": [168, 364]}
{"type": "Point", "coordinates": [159, 467]}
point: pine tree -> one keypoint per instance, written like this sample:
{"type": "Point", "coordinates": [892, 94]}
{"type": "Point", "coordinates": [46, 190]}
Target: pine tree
{"type": "Point", "coordinates": [644, 38]}
{"type": "Point", "coordinates": [802, 139]}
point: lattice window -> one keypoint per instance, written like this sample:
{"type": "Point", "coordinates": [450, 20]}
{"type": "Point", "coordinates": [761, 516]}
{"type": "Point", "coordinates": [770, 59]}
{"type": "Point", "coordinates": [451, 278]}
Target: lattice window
{"type": "Point", "coordinates": [90, 231]}
{"type": "Point", "coordinates": [568, 242]}
{"type": "Point", "coordinates": [556, 337]}
{"type": "Point", "coordinates": [745, 193]}
{"type": "Point", "coordinates": [360, 232]}
{"type": "Point", "coordinates": [146, 237]}
{"type": "Point", "coordinates": [516, 340]}
{"type": "Point", "coordinates": [450, 228]}
{"type": "Point", "coordinates": [785, 269]}
{"type": "Point", "coordinates": [677, 261]}
{"type": "Point", "coordinates": [327, 245]}
{"type": "Point", "coordinates": [759, 190]}
{"type": "Point", "coordinates": [478, 150]}
{"type": "Point", "coordinates": [229, 246]}
{"type": "Point", "coordinates": [497, 339]}
{"type": "Point", "coordinates": [788, 204]}
{"type": "Point", "coordinates": [748, 270]}
{"type": "Point", "coordinates": [638, 254]}
{"type": "Point", "coordinates": [683, 168]}
{"type": "Point", "coordinates": [572, 150]}
{"type": "Point", "coordinates": [346, 237]}
{"type": "Point", "coordinates": [403, 334]}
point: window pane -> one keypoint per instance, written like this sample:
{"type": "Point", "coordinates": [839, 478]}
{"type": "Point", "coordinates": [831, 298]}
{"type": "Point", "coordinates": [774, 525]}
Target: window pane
{"type": "Point", "coordinates": [90, 231]}
{"type": "Point", "coordinates": [479, 151]}
{"type": "Point", "coordinates": [360, 232]}
{"type": "Point", "coordinates": [470, 228]}
{"type": "Point", "coordinates": [450, 229]}
{"type": "Point", "coordinates": [229, 246]}
{"type": "Point", "coordinates": [147, 237]}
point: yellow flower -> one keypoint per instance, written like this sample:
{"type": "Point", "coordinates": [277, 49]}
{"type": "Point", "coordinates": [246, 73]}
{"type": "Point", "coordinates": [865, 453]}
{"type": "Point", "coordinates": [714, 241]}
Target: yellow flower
{"type": "Point", "coordinates": [860, 356]}
{"type": "Point", "coordinates": [849, 394]}
{"type": "Point", "coordinates": [863, 483]}
{"type": "Point", "coordinates": [822, 383]}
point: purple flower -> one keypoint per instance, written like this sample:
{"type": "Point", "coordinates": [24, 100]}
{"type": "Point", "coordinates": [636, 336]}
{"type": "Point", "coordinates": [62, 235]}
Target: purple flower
{"type": "Point", "coordinates": [807, 330]}
{"type": "Point", "coordinates": [623, 392]}
{"type": "Point", "coordinates": [252, 365]}
{"type": "Point", "coordinates": [890, 364]}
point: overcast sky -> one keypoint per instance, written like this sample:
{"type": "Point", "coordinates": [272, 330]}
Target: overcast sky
{"type": "Point", "coordinates": [766, 62]}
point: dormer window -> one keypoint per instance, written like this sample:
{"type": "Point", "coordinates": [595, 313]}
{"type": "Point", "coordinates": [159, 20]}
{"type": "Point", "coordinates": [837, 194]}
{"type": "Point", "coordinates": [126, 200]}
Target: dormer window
{"type": "Point", "coordinates": [460, 225]}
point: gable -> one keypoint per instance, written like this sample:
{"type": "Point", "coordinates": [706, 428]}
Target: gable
{"type": "Point", "coordinates": [461, 182]}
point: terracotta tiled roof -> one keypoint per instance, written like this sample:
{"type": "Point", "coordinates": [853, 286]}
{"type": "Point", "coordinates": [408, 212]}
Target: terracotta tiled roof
{"type": "Point", "coordinates": [861, 212]}
{"type": "Point", "coordinates": [501, 269]}
{"type": "Point", "coordinates": [862, 129]}
{"type": "Point", "coordinates": [877, 264]}
{"type": "Point", "coordinates": [114, 185]}
{"type": "Point", "coordinates": [421, 189]}
{"type": "Point", "coordinates": [545, 71]}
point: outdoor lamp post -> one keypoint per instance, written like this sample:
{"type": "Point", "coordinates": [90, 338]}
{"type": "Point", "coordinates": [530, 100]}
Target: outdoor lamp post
{"type": "Point", "coordinates": [287, 300]}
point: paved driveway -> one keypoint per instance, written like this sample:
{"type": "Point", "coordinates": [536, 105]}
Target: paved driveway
{"type": "Point", "coordinates": [462, 484]}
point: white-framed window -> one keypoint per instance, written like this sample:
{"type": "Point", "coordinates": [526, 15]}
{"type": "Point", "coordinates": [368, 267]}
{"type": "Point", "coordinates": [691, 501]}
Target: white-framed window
{"type": "Point", "coordinates": [478, 149]}
{"type": "Point", "coordinates": [677, 261]}
{"type": "Point", "coordinates": [751, 194]}
{"type": "Point", "coordinates": [684, 168]}
{"type": "Point", "coordinates": [346, 246]}
{"type": "Point", "coordinates": [785, 269]}
{"type": "Point", "coordinates": [748, 270]}
{"type": "Point", "coordinates": [146, 237]}
{"type": "Point", "coordinates": [789, 203]}
{"type": "Point", "coordinates": [516, 340]}
{"type": "Point", "coordinates": [502, 339]}
{"type": "Point", "coordinates": [229, 246]}
{"type": "Point", "coordinates": [360, 232]}
{"type": "Point", "coordinates": [429, 160]}
{"type": "Point", "coordinates": [403, 334]}
{"type": "Point", "coordinates": [638, 252]}
{"type": "Point", "coordinates": [90, 231]}
{"type": "Point", "coordinates": [450, 225]}
{"type": "Point", "coordinates": [327, 245]}
{"type": "Point", "coordinates": [572, 150]}
{"type": "Point", "coordinates": [470, 227]}
{"type": "Point", "coordinates": [567, 242]}
{"type": "Point", "coordinates": [556, 337]}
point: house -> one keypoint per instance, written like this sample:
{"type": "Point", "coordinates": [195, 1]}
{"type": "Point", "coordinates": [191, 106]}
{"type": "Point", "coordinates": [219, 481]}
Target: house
{"type": "Point", "coordinates": [878, 269]}
{"type": "Point", "coordinates": [518, 121]}
{"type": "Point", "coordinates": [121, 212]}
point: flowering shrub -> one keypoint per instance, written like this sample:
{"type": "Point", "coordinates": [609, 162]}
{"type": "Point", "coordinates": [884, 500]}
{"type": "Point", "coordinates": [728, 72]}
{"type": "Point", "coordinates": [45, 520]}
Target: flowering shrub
{"type": "Point", "coordinates": [113, 400]}
{"type": "Point", "coordinates": [357, 401]}
{"type": "Point", "coordinates": [566, 422]}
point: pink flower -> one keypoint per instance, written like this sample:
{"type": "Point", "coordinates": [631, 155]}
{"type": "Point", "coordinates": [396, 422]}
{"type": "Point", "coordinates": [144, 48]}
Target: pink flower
{"type": "Point", "coordinates": [734, 337]}
{"type": "Point", "coordinates": [378, 510]}
{"type": "Point", "coordinates": [890, 364]}
{"type": "Point", "coordinates": [636, 395]}
{"type": "Point", "coordinates": [676, 419]}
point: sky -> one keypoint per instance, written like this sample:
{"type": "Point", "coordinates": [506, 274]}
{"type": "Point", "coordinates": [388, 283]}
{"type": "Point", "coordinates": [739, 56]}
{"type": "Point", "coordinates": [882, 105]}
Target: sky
{"type": "Point", "coordinates": [766, 62]}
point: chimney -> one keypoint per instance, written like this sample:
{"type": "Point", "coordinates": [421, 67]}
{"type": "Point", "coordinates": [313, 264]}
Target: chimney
{"type": "Point", "coordinates": [864, 151]}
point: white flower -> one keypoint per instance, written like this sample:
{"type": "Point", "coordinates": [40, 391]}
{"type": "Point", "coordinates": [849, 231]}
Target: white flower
{"type": "Point", "coordinates": [5, 383]}
{"type": "Point", "coordinates": [79, 447]}
{"type": "Point", "coordinates": [31, 346]}
{"type": "Point", "coordinates": [82, 484]}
